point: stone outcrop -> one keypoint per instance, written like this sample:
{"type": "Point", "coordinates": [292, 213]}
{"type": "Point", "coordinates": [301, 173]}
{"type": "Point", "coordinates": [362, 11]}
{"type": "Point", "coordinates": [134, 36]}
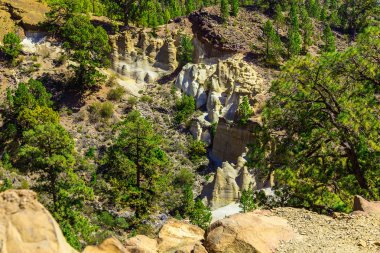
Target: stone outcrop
{"type": "Point", "coordinates": [258, 231]}
{"type": "Point", "coordinates": [27, 227]}
{"type": "Point", "coordinates": [179, 236]}
{"type": "Point", "coordinates": [231, 140]}
{"type": "Point", "coordinates": [110, 245]}
{"type": "Point", "coordinates": [220, 87]}
{"type": "Point", "coordinates": [228, 183]}
{"type": "Point", "coordinates": [26, 14]}
{"type": "Point", "coordinates": [141, 244]}
{"type": "Point", "coordinates": [167, 55]}
{"type": "Point", "coordinates": [365, 206]}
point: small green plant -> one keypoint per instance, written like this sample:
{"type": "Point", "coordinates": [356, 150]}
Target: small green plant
{"type": "Point", "coordinates": [186, 50]}
{"type": "Point", "coordinates": [247, 203]}
{"type": "Point", "coordinates": [201, 215]}
{"type": "Point", "coordinates": [146, 99]}
{"type": "Point", "coordinates": [185, 108]}
{"type": "Point", "coordinates": [197, 149]}
{"type": "Point", "coordinates": [100, 110]}
{"type": "Point", "coordinates": [132, 101]}
{"type": "Point", "coordinates": [245, 111]}
{"type": "Point", "coordinates": [116, 94]}
{"type": "Point", "coordinates": [91, 152]}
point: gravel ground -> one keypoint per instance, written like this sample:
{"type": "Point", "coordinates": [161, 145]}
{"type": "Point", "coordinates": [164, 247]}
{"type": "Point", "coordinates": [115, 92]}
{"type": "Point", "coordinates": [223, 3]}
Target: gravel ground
{"type": "Point", "coordinates": [324, 234]}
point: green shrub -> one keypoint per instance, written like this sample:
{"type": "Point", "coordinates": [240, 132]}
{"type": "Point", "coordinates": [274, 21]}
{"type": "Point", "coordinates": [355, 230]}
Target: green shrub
{"type": "Point", "coordinates": [146, 99]}
{"type": "Point", "coordinates": [132, 101]}
{"type": "Point", "coordinates": [116, 94]}
{"type": "Point", "coordinates": [186, 50]}
{"type": "Point", "coordinates": [100, 110]}
{"type": "Point", "coordinates": [185, 108]}
{"type": "Point", "coordinates": [197, 149]}
{"type": "Point", "coordinates": [12, 45]}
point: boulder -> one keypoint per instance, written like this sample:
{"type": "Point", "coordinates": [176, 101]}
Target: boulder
{"type": "Point", "coordinates": [180, 236]}
{"type": "Point", "coordinates": [363, 205]}
{"type": "Point", "coordinates": [110, 245]}
{"type": "Point", "coordinates": [27, 227]}
{"type": "Point", "coordinates": [258, 231]}
{"type": "Point", "coordinates": [141, 244]}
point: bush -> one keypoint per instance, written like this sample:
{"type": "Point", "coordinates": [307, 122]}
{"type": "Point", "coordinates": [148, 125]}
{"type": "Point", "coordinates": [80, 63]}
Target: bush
{"type": "Point", "coordinates": [146, 99]}
{"type": "Point", "coordinates": [185, 108]}
{"type": "Point", "coordinates": [184, 177]}
{"type": "Point", "coordinates": [132, 101]}
{"type": "Point", "coordinates": [116, 94]}
{"type": "Point", "coordinates": [186, 50]}
{"type": "Point", "coordinates": [197, 149]}
{"type": "Point", "coordinates": [12, 45]}
{"type": "Point", "coordinates": [201, 215]}
{"type": "Point", "coordinates": [100, 110]}
{"type": "Point", "coordinates": [247, 201]}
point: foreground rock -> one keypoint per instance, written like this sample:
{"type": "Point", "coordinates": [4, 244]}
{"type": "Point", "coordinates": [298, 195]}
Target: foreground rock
{"type": "Point", "coordinates": [250, 232]}
{"type": "Point", "coordinates": [368, 207]}
{"type": "Point", "coordinates": [27, 227]}
{"type": "Point", "coordinates": [110, 245]}
{"type": "Point", "coordinates": [178, 236]}
{"type": "Point", "coordinates": [141, 244]}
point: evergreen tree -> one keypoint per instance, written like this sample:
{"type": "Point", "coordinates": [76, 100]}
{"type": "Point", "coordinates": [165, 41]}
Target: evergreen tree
{"type": "Point", "coordinates": [234, 7]}
{"type": "Point", "coordinates": [224, 10]}
{"type": "Point", "coordinates": [357, 15]}
{"type": "Point", "coordinates": [328, 150]}
{"type": "Point", "coordinates": [190, 6]}
{"type": "Point", "coordinates": [89, 47]}
{"type": "Point", "coordinates": [186, 50]}
{"type": "Point", "coordinates": [201, 215]}
{"type": "Point", "coordinates": [135, 165]}
{"type": "Point", "coordinates": [295, 43]}
{"type": "Point", "coordinates": [11, 45]}
{"type": "Point", "coordinates": [307, 27]}
{"type": "Point", "coordinates": [273, 45]}
{"type": "Point", "coordinates": [245, 110]}
{"type": "Point", "coordinates": [247, 203]}
{"type": "Point", "coordinates": [314, 8]}
{"type": "Point", "coordinates": [279, 18]}
{"type": "Point", "coordinates": [329, 39]}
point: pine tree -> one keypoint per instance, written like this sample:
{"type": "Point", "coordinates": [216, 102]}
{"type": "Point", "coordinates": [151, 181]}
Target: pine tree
{"type": "Point", "coordinates": [135, 164]}
{"type": "Point", "coordinates": [295, 43]}
{"type": "Point", "coordinates": [201, 215]}
{"type": "Point", "coordinates": [307, 27]}
{"type": "Point", "coordinates": [224, 10]}
{"type": "Point", "coordinates": [245, 110]}
{"type": "Point", "coordinates": [12, 45]}
{"type": "Point", "coordinates": [272, 41]}
{"type": "Point", "coordinates": [314, 9]}
{"type": "Point", "coordinates": [247, 203]}
{"type": "Point", "coordinates": [279, 18]}
{"type": "Point", "coordinates": [329, 40]}
{"type": "Point", "coordinates": [234, 7]}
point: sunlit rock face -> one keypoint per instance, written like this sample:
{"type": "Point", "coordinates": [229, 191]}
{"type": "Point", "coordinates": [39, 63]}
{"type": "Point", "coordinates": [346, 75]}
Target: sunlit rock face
{"type": "Point", "coordinates": [220, 87]}
{"type": "Point", "coordinates": [141, 57]}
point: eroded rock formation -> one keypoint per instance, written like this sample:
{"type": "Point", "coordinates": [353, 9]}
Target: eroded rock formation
{"type": "Point", "coordinates": [26, 14]}
{"type": "Point", "coordinates": [259, 231]}
{"type": "Point", "coordinates": [220, 87]}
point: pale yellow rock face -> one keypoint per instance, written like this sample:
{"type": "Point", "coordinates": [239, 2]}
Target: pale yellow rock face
{"type": "Point", "coordinates": [258, 231]}
{"type": "Point", "coordinates": [27, 227]}
{"type": "Point", "coordinates": [141, 244]}
{"type": "Point", "coordinates": [29, 12]}
{"type": "Point", "coordinates": [110, 245]}
{"type": "Point", "coordinates": [179, 236]}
